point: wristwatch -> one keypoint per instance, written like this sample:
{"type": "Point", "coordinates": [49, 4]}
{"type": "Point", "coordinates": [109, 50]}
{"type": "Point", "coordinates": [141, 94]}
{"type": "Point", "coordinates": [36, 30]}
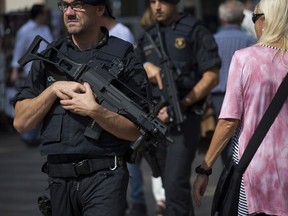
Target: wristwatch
{"type": "Point", "coordinates": [201, 170]}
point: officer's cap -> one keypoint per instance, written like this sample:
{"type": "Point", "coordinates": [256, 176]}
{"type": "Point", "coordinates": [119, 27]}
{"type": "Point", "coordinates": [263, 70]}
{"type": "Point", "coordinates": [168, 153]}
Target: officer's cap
{"type": "Point", "coordinates": [172, 1]}
{"type": "Point", "coordinates": [107, 3]}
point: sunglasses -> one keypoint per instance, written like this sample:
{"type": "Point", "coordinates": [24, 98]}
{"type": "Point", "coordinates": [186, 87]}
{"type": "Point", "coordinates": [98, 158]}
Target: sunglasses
{"type": "Point", "coordinates": [76, 5]}
{"type": "Point", "coordinates": [256, 16]}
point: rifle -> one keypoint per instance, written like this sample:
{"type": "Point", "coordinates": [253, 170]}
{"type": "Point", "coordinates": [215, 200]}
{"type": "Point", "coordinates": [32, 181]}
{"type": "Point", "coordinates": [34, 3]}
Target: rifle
{"type": "Point", "coordinates": [169, 92]}
{"type": "Point", "coordinates": [103, 80]}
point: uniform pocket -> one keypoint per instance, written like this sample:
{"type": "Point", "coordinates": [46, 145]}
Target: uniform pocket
{"type": "Point", "coordinates": [52, 125]}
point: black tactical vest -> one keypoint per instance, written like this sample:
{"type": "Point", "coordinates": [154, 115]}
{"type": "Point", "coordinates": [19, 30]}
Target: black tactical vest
{"type": "Point", "coordinates": [178, 42]}
{"type": "Point", "coordinates": [63, 131]}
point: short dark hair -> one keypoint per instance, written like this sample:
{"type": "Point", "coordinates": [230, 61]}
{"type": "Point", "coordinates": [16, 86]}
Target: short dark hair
{"type": "Point", "coordinates": [36, 10]}
{"type": "Point", "coordinates": [109, 10]}
{"type": "Point", "coordinates": [172, 1]}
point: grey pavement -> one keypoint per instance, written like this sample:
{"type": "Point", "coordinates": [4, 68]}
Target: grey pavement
{"type": "Point", "coordinates": [21, 181]}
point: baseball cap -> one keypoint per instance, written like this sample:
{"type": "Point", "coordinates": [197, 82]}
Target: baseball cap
{"type": "Point", "coordinates": [172, 1]}
{"type": "Point", "coordinates": [107, 3]}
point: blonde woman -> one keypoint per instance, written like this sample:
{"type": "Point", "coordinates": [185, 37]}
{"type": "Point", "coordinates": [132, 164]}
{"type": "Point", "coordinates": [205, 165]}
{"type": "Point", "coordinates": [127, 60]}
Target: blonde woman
{"type": "Point", "coordinates": [254, 76]}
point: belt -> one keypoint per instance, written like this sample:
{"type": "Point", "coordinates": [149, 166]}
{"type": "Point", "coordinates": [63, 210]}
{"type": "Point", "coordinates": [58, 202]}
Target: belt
{"type": "Point", "coordinates": [84, 167]}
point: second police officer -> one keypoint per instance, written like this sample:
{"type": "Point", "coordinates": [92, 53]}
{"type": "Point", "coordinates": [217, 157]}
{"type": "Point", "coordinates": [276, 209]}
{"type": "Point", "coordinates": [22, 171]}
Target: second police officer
{"type": "Point", "coordinates": [193, 54]}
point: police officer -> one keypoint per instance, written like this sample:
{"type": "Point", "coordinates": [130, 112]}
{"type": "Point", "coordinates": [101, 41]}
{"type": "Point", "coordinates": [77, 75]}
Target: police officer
{"type": "Point", "coordinates": [194, 56]}
{"type": "Point", "coordinates": [87, 176]}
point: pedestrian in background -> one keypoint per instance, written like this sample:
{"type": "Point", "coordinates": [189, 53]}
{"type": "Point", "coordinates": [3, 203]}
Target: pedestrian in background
{"type": "Point", "coordinates": [87, 175]}
{"type": "Point", "coordinates": [115, 28]}
{"type": "Point", "coordinates": [192, 51]}
{"type": "Point", "coordinates": [36, 25]}
{"type": "Point", "coordinates": [229, 38]}
{"type": "Point", "coordinates": [247, 23]}
{"type": "Point", "coordinates": [254, 76]}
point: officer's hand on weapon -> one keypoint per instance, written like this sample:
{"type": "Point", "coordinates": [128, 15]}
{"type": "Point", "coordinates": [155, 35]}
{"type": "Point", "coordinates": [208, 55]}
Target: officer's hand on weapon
{"type": "Point", "coordinates": [60, 87]}
{"type": "Point", "coordinates": [153, 73]}
{"type": "Point", "coordinates": [163, 114]}
{"type": "Point", "coordinates": [82, 103]}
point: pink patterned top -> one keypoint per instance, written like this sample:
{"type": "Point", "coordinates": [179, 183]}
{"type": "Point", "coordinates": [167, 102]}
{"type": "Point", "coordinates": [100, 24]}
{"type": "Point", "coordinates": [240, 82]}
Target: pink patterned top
{"type": "Point", "coordinates": [255, 74]}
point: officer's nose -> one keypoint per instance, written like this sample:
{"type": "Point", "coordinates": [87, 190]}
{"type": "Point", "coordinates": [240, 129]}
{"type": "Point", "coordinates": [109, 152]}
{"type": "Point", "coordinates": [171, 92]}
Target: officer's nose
{"type": "Point", "coordinates": [157, 5]}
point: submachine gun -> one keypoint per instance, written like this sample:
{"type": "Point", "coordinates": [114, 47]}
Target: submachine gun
{"type": "Point", "coordinates": [103, 81]}
{"type": "Point", "coordinates": [169, 93]}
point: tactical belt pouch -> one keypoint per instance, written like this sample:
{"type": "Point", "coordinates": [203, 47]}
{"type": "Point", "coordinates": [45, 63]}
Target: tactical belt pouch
{"type": "Point", "coordinates": [44, 205]}
{"type": "Point", "coordinates": [84, 167]}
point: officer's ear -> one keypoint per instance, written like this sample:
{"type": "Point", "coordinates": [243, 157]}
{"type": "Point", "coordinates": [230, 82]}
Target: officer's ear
{"type": "Point", "coordinates": [100, 10]}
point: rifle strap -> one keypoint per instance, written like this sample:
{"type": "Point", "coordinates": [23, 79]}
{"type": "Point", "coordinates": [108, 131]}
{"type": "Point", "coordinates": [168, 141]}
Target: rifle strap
{"type": "Point", "coordinates": [154, 45]}
{"type": "Point", "coordinates": [161, 52]}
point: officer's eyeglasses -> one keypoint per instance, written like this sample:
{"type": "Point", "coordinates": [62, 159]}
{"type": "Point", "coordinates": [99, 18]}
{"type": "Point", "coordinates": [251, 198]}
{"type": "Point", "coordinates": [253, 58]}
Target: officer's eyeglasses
{"type": "Point", "coordinates": [76, 5]}
{"type": "Point", "coordinates": [256, 16]}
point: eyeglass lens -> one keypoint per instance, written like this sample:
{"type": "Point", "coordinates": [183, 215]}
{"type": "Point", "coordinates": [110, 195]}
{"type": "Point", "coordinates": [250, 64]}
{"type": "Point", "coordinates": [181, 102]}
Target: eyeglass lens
{"type": "Point", "coordinates": [76, 5]}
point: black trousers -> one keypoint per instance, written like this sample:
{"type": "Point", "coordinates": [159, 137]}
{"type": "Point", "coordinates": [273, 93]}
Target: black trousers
{"type": "Point", "coordinates": [175, 160]}
{"type": "Point", "coordinates": [98, 194]}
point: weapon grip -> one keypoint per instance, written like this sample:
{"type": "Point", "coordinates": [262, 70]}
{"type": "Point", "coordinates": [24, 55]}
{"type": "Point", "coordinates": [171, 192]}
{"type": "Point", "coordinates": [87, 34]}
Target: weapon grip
{"type": "Point", "coordinates": [152, 162]}
{"type": "Point", "coordinates": [140, 147]}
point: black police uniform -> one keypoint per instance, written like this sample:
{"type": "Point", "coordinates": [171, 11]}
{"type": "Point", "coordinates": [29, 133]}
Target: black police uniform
{"type": "Point", "coordinates": [192, 49]}
{"type": "Point", "coordinates": [83, 176]}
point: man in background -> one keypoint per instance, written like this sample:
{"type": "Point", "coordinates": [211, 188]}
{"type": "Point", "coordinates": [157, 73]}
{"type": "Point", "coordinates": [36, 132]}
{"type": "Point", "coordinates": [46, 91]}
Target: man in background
{"type": "Point", "coordinates": [229, 38]}
{"type": "Point", "coordinates": [36, 25]}
{"type": "Point", "coordinates": [193, 57]}
{"type": "Point", "coordinates": [115, 28]}
{"type": "Point", "coordinates": [247, 23]}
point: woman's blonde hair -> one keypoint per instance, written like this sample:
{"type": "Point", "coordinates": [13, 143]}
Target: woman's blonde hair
{"type": "Point", "coordinates": [147, 18]}
{"type": "Point", "coordinates": [276, 22]}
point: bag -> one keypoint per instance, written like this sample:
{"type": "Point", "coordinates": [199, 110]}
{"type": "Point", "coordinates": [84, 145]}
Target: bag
{"type": "Point", "coordinates": [208, 125]}
{"type": "Point", "coordinates": [226, 196]}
